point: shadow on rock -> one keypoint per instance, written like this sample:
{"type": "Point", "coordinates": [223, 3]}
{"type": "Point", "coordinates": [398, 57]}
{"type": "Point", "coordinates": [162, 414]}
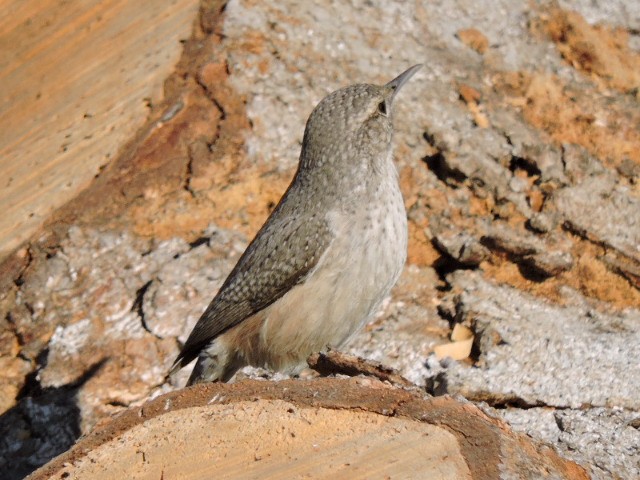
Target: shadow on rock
{"type": "Point", "coordinates": [44, 423]}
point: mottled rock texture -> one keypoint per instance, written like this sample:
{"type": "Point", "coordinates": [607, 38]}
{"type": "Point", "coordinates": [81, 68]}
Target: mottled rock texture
{"type": "Point", "coordinates": [518, 147]}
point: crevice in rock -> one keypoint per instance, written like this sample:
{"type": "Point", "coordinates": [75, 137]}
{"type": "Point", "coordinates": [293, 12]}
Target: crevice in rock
{"type": "Point", "coordinates": [563, 158]}
{"type": "Point", "coordinates": [189, 173]}
{"type": "Point", "coordinates": [616, 262]}
{"type": "Point", "coordinates": [569, 226]}
{"type": "Point", "coordinates": [200, 241]}
{"type": "Point", "coordinates": [528, 269]}
{"type": "Point", "coordinates": [139, 308]}
{"type": "Point", "coordinates": [211, 96]}
{"type": "Point", "coordinates": [446, 264]}
{"type": "Point", "coordinates": [504, 401]}
{"type": "Point", "coordinates": [13, 328]}
{"type": "Point", "coordinates": [437, 385]}
{"type": "Point", "coordinates": [430, 139]}
{"type": "Point", "coordinates": [29, 308]}
{"type": "Point", "coordinates": [223, 113]}
{"type": "Point", "coordinates": [447, 311]}
{"type": "Point", "coordinates": [499, 245]}
{"type": "Point", "coordinates": [521, 163]}
{"type": "Point", "coordinates": [510, 401]}
{"type": "Point", "coordinates": [559, 423]}
{"type": "Point", "coordinates": [438, 165]}
{"type": "Point", "coordinates": [622, 266]}
{"type": "Point", "coordinates": [476, 349]}
{"type": "Point", "coordinates": [523, 259]}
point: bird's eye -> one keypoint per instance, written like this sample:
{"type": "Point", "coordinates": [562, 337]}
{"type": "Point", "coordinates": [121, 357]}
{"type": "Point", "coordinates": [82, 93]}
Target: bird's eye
{"type": "Point", "coordinates": [382, 108]}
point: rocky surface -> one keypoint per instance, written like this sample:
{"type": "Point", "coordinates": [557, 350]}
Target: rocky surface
{"type": "Point", "coordinates": [518, 147]}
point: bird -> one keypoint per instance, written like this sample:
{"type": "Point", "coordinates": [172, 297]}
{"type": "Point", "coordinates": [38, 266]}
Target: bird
{"type": "Point", "coordinates": [327, 256]}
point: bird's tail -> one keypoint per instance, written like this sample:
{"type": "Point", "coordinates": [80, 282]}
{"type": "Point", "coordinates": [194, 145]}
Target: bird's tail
{"type": "Point", "coordinates": [215, 365]}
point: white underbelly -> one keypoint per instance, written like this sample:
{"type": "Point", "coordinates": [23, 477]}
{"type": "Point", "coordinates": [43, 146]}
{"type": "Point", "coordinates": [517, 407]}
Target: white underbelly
{"type": "Point", "coordinates": [343, 292]}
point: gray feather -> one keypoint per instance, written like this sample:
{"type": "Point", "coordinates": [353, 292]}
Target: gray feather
{"type": "Point", "coordinates": [284, 251]}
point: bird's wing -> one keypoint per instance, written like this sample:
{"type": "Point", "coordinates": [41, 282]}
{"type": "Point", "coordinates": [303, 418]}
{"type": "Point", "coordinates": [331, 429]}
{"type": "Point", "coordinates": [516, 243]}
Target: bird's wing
{"type": "Point", "coordinates": [283, 252]}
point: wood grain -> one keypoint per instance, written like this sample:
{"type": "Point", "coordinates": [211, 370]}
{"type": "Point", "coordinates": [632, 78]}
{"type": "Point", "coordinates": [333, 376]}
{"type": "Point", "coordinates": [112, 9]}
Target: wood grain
{"type": "Point", "coordinates": [324, 428]}
{"type": "Point", "coordinates": [76, 80]}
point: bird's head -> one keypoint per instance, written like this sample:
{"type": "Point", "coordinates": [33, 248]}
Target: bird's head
{"type": "Point", "coordinates": [352, 121]}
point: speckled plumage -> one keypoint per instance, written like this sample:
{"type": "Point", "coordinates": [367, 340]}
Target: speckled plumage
{"type": "Point", "coordinates": [326, 257]}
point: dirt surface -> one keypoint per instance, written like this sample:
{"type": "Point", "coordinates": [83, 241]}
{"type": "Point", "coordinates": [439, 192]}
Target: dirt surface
{"type": "Point", "coordinates": [517, 147]}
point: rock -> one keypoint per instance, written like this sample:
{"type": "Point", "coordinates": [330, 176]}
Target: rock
{"type": "Point", "coordinates": [473, 39]}
{"type": "Point", "coordinates": [550, 263]}
{"type": "Point", "coordinates": [564, 367]}
{"type": "Point", "coordinates": [579, 164]}
{"type": "Point", "coordinates": [542, 222]}
{"type": "Point", "coordinates": [601, 210]}
{"type": "Point", "coordinates": [462, 247]}
{"type": "Point", "coordinates": [629, 169]}
{"type": "Point", "coordinates": [623, 266]}
{"type": "Point", "coordinates": [536, 354]}
{"type": "Point", "coordinates": [598, 436]}
{"type": "Point", "coordinates": [548, 257]}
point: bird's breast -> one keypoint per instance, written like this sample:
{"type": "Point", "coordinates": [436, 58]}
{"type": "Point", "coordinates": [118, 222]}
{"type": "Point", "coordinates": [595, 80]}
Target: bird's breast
{"type": "Point", "coordinates": [347, 286]}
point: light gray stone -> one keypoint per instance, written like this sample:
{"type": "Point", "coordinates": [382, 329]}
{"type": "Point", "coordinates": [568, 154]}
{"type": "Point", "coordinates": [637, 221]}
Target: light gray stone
{"type": "Point", "coordinates": [538, 353]}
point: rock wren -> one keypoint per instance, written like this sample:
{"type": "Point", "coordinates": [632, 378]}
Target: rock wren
{"type": "Point", "coordinates": [328, 255]}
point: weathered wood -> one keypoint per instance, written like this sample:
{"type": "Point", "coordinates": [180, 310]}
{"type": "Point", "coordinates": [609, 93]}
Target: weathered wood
{"type": "Point", "coordinates": [323, 428]}
{"type": "Point", "coordinates": [333, 362]}
{"type": "Point", "coordinates": [76, 80]}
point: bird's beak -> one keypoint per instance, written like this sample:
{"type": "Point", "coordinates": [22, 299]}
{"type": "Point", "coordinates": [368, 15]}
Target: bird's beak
{"type": "Point", "coordinates": [400, 80]}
